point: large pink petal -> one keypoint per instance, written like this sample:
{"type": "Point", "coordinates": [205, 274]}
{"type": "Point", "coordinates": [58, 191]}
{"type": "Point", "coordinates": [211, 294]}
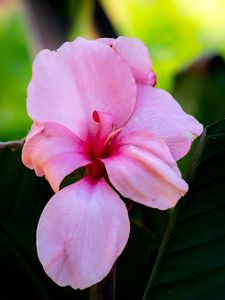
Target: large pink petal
{"type": "Point", "coordinates": [137, 57]}
{"type": "Point", "coordinates": [81, 77]}
{"type": "Point", "coordinates": [140, 167]}
{"type": "Point", "coordinates": [54, 151]}
{"type": "Point", "coordinates": [81, 232]}
{"type": "Point", "coordinates": [156, 111]}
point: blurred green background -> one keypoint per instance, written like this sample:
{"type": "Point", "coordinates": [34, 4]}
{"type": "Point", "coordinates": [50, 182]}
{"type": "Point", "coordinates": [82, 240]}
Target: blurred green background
{"type": "Point", "coordinates": [177, 33]}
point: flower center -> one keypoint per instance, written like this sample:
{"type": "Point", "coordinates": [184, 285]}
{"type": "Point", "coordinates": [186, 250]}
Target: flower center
{"type": "Point", "coordinates": [99, 143]}
{"type": "Point", "coordinates": [96, 170]}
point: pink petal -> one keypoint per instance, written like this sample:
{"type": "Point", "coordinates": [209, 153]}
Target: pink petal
{"type": "Point", "coordinates": [35, 128]}
{"type": "Point", "coordinates": [156, 111]}
{"type": "Point", "coordinates": [147, 141]}
{"type": "Point", "coordinates": [141, 168]}
{"type": "Point", "coordinates": [137, 57]}
{"type": "Point", "coordinates": [81, 77]}
{"type": "Point", "coordinates": [106, 41]}
{"type": "Point", "coordinates": [54, 151]}
{"type": "Point", "coordinates": [81, 232]}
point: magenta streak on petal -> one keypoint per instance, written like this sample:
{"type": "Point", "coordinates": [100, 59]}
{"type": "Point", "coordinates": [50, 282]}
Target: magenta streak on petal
{"type": "Point", "coordinates": [98, 144]}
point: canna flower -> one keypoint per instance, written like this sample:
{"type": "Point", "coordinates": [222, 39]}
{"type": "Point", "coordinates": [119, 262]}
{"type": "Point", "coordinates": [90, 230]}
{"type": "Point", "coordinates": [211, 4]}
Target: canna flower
{"type": "Point", "coordinates": [94, 105]}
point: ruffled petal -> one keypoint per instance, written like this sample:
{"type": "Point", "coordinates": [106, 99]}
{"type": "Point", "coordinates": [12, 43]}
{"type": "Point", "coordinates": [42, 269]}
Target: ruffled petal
{"type": "Point", "coordinates": [137, 57]}
{"type": "Point", "coordinates": [81, 77]}
{"type": "Point", "coordinates": [141, 167]}
{"type": "Point", "coordinates": [157, 112]}
{"type": "Point", "coordinates": [54, 151]}
{"type": "Point", "coordinates": [81, 232]}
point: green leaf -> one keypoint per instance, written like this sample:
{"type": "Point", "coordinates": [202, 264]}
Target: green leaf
{"type": "Point", "coordinates": [191, 260]}
{"type": "Point", "coordinates": [132, 271]}
{"type": "Point", "coordinates": [23, 197]}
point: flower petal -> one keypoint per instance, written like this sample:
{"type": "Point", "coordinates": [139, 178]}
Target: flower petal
{"type": "Point", "coordinates": [81, 232]}
{"type": "Point", "coordinates": [137, 57]}
{"type": "Point", "coordinates": [156, 111]}
{"type": "Point", "coordinates": [106, 41]}
{"type": "Point", "coordinates": [81, 77]}
{"type": "Point", "coordinates": [147, 141]}
{"type": "Point", "coordinates": [141, 168]}
{"type": "Point", "coordinates": [54, 151]}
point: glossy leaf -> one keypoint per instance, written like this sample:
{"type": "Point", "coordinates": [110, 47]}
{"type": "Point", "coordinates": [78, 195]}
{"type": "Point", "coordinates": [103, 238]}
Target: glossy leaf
{"type": "Point", "coordinates": [147, 228]}
{"type": "Point", "coordinates": [191, 260]}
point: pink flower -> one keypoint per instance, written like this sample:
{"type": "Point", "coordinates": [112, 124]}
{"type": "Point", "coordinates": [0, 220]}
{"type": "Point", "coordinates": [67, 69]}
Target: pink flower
{"type": "Point", "coordinates": [93, 104]}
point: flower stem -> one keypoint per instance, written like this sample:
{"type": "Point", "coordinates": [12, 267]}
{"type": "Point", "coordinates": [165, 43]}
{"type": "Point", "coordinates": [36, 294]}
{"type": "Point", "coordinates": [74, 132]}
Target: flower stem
{"type": "Point", "coordinates": [104, 290]}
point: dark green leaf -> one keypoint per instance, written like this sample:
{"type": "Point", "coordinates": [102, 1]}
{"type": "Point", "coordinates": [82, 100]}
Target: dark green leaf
{"type": "Point", "coordinates": [191, 260]}
{"type": "Point", "coordinates": [147, 228]}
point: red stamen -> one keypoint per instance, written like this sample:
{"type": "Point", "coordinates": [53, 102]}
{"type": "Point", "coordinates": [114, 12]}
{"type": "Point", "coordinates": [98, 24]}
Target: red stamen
{"type": "Point", "coordinates": [96, 116]}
